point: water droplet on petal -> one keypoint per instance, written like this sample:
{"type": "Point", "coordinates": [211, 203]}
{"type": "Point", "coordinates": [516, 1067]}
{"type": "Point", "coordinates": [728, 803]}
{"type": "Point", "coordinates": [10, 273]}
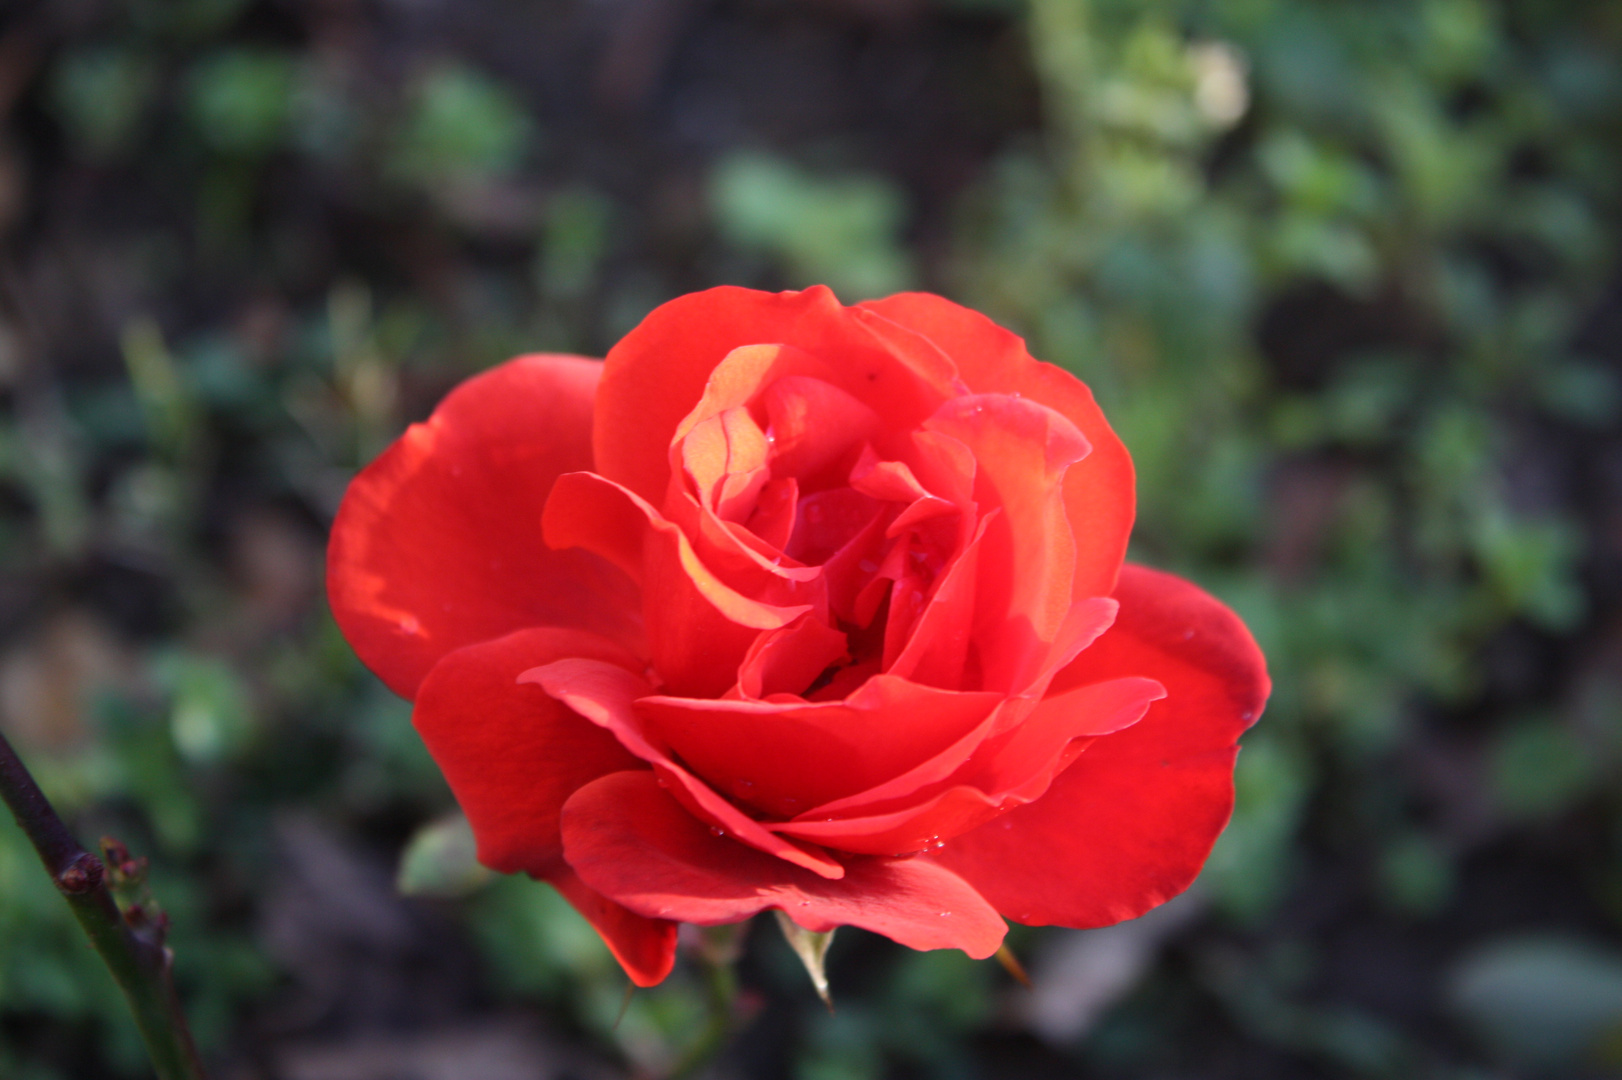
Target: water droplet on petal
{"type": "Point", "coordinates": [716, 830]}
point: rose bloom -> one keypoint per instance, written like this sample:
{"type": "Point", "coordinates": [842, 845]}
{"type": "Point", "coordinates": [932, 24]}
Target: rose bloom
{"type": "Point", "coordinates": [794, 605]}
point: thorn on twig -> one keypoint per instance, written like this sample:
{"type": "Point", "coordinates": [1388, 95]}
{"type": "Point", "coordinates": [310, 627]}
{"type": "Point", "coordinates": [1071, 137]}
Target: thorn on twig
{"type": "Point", "coordinates": [1011, 964]}
{"type": "Point", "coordinates": [83, 875]}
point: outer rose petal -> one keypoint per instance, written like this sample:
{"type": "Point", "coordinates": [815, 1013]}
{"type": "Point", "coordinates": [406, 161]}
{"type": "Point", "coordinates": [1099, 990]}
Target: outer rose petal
{"type": "Point", "coordinates": [1003, 773]}
{"type": "Point", "coordinates": [606, 695]}
{"type": "Point", "coordinates": [1088, 620]}
{"type": "Point", "coordinates": [1129, 825]}
{"type": "Point", "coordinates": [438, 542]}
{"type": "Point", "coordinates": [786, 757]}
{"type": "Point", "coordinates": [658, 372]}
{"type": "Point", "coordinates": [511, 753]}
{"type": "Point", "coordinates": [1099, 490]}
{"type": "Point", "coordinates": [645, 948]}
{"type": "Point", "coordinates": [628, 839]}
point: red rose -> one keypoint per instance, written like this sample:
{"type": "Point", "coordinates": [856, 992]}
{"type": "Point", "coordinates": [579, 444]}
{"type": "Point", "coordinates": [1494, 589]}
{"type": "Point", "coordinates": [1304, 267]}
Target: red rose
{"type": "Point", "coordinates": [795, 605]}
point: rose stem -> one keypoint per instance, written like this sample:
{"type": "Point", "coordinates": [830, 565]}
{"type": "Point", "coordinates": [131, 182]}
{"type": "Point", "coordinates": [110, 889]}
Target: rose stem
{"type": "Point", "coordinates": [140, 964]}
{"type": "Point", "coordinates": [718, 952]}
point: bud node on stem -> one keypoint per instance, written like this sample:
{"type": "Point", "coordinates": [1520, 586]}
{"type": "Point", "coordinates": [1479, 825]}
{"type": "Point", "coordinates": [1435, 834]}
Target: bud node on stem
{"type": "Point", "coordinates": [83, 875]}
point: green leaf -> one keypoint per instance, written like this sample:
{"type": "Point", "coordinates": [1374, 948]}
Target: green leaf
{"type": "Point", "coordinates": [442, 860]}
{"type": "Point", "coordinates": [240, 100]}
{"type": "Point", "coordinates": [460, 125]}
{"type": "Point", "coordinates": [839, 230]}
{"type": "Point", "coordinates": [101, 95]}
{"type": "Point", "coordinates": [1543, 1002]}
{"type": "Point", "coordinates": [1539, 769]}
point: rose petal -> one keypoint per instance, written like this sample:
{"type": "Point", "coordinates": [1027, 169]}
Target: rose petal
{"type": "Point", "coordinates": [907, 831]}
{"type": "Point", "coordinates": [1011, 770]}
{"type": "Point", "coordinates": [629, 840]}
{"type": "Point", "coordinates": [893, 481]}
{"type": "Point", "coordinates": [744, 374]}
{"type": "Point", "coordinates": [644, 947]}
{"type": "Point", "coordinates": [1099, 490]}
{"type": "Point", "coordinates": [946, 468]}
{"type": "Point", "coordinates": [698, 627]}
{"type": "Point", "coordinates": [827, 521]}
{"type": "Point", "coordinates": [726, 458]}
{"type": "Point", "coordinates": [787, 758]}
{"type": "Point", "coordinates": [510, 753]}
{"type": "Point", "coordinates": [437, 543]}
{"type": "Point", "coordinates": [1129, 825]}
{"type": "Point", "coordinates": [787, 660]}
{"type": "Point", "coordinates": [773, 519]}
{"type": "Point", "coordinates": [743, 561]}
{"type": "Point", "coordinates": [658, 372]}
{"type": "Point", "coordinates": [936, 653]}
{"type": "Point", "coordinates": [605, 695]}
{"type": "Point", "coordinates": [1087, 620]}
{"type": "Point", "coordinates": [814, 427]}
{"type": "Point", "coordinates": [1028, 556]}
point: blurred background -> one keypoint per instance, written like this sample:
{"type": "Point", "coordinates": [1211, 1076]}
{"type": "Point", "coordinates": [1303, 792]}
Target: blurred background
{"type": "Point", "coordinates": [1343, 273]}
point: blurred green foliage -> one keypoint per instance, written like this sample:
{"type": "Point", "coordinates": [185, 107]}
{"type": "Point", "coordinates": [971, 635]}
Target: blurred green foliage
{"type": "Point", "coordinates": [239, 100]}
{"type": "Point", "coordinates": [1330, 267]}
{"type": "Point", "coordinates": [459, 124]}
{"type": "Point", "coordinates": [840, 230]}
{"type": "Point", "coordinates": [1207, 164]}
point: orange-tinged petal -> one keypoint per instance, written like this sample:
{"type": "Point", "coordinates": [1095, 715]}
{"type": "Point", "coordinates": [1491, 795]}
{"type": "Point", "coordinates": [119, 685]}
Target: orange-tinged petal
{"type": "Point", "coordinates": [725, 456]}
{"type": "Point", "coordinates": [698, 627]}
{"type": "Point", "coordinates": [1099, 490]}
{"type": "Point", "coordinates": [659, 371]}
{"type": "Point", "coordinates": [1028, 556]}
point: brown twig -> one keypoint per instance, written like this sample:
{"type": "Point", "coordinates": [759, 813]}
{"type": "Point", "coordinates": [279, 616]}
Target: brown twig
{"type": "Point", "coordinates": [140, 963]}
